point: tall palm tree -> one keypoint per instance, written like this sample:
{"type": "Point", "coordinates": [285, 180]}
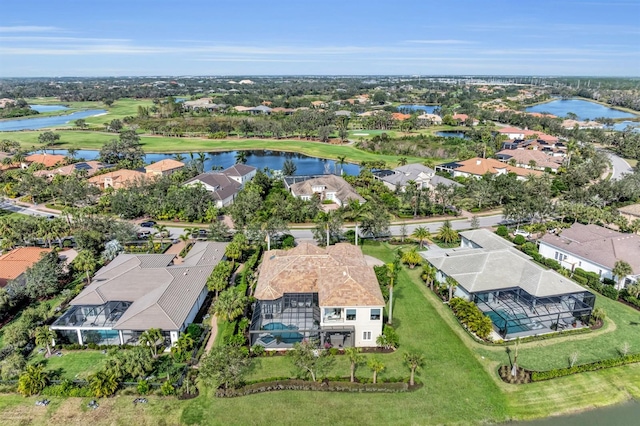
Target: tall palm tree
{"type": "Point", "coordinates": [241, 157]}
{"type": "Point", "coordinates": [355, 357]}
{"type": "Point", "coordinates": [428, 275]}
{"type": "Point", "coordinates": [447, 234]}
{"type": "Point", "coordinates": [45, 337]}
{"type": "Point", "coordinates": [451, 285]}
{"type": "Point", "coordinates": [376, 366]}
{"type": "Point", "coordinates": [620, 270]}
{"type": "Point", "coordinates": [341, 160]}
{"type": "Point", "coordinates": [178, 157]}
{"type": "Point", "coordinates": [151, 339]}
{"type": "Point", "coordinates": [421, 233]}
{"type": "Point", "coordinates": [86, 262]}
{"type": "Point", "coordinates": [357, 212]}
{"type": "Point", "coordinates": [402, 161]}
{"type": "Point", "coordinates": [230, 304]}
{"type": "Point", "coordinates": [103, 383]}
{"type": "Point", "coordinates": [392, 274]}
{"type": "Point", "coordinates": [162, 230]}
{"type": "Point", "coordinates": [414, 360]}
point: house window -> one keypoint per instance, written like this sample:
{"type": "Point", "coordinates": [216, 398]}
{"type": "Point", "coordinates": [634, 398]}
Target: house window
{"type": "Point", "coordinates": [351, 314]}
{"type": "Point", "coordinates": [332, 314]}
{"type": "Point", "coordinates": [375, 314]}
{"type": "Point", "coordinates": [366, 335]}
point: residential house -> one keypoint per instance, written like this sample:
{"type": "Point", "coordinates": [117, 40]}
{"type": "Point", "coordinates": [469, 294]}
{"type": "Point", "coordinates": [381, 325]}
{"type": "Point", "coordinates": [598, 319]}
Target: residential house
{"type": "Point", "coordinates": [83, 168]}
{"type": "Point", "coordinates": [326, 294]}
{"type": "Point", "coordinates": [594, 249]}
{"type": "Point", "coordinates": [478, 167]}
{"type": "Point", "coordinates": [430, 118]}
{"type": "Point", "coordinates": [318, 104]}
{"type": "Point", "coordinates": [281, 110]}
{"type": "Point", "coordinates": [515, 133]}
{"type": "Point", "coordinates": [47, 160]}
{"type": "Point", "coordinates": [225, 185]}
{"type": "Point", "coordinates": [164, 167]}
{"type": "Point", "coordinates": [530, 159]}
{"type": "Point", "coordinates": [16, 262]}
{"type": "Point", "coordinates": [136, 292]}
{"type": "Point", "coordinates": [631, 212]}
{"type": "Point", "coordinates": [117, 179]}
{"type": "Point", "coordinates": [398, 116]}
{"type": "Point", "coordinates": [327, 187]}
{"type": "Point", "coordinates": [241, 173]}
{"type": "Point", "coordinates": [423, 176]}
{"type": "Point", "coordinates": [521, 297]}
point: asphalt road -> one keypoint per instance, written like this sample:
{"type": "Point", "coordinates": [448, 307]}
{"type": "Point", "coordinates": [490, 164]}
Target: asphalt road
{"type": "Point", "coordinates": [23, 210]}
{"type": "Point", "coordinates": [619, 165]}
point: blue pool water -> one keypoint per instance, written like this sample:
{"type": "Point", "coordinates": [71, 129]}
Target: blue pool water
{"type": "Point", "coordinates": [290, 337]}
{"type": "Point", "coordinates": [498, 319]}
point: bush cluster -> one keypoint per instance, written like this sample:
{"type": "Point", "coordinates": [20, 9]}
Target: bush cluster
{"type": "Point", "coordinates": [68, 388]}
{"type": "Point", "coordinates": [303, 385]}
{"type": "Point", "coordinates": [472, 317]}
{"type": "Point", "coordinates": [538, 376]}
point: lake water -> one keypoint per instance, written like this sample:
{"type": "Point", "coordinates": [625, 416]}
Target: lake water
{"type": "Point", "coordinates": [583, 109]}
{"type": "Point", "coordinates": [451, 134]}
{"type": "Point", "coordinates": [619, 415]}
{"type": "Point", "coordinates": [622, 125]}
{"type": "Point", "coordinates": [42, 122]}
{"type": "Point", "coordinates": [48, 108]}
{"type": "Point", "coordinates": [273, 160]}
{"type": "Point", "coordinates": [426, 108]}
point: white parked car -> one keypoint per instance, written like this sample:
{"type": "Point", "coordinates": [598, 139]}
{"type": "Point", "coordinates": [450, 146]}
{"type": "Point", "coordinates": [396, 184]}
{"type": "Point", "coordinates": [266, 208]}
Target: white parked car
{"type": "Point", "coordinates": [521, 232]}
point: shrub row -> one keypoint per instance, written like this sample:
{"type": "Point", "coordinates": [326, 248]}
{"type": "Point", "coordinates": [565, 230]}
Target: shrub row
{"type": "Point", "coordinates": [92, 346]}
{"type": "Point", "coordinates": [303, 385]}
{"type": "Point", "coordinates": [634, 301]}
{"type": "Point", "coordinates": [472, 317]}
{"type": "Point", "coordinates": [538, 376]}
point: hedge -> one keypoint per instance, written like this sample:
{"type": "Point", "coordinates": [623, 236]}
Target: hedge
{"type": "Point", "coordinates": [538, 376]}
{"type": "Point", "coordinates": [304, 385]}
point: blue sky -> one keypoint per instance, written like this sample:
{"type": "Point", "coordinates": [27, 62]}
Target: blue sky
{"type": "Point", "coordinates": [275, 37]}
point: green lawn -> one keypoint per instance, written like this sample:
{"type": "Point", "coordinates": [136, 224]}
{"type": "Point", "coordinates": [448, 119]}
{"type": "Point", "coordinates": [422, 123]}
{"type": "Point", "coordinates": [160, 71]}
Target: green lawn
{"type": "Point", "coordinates": [118, 110]}
{"type": "Point", "coordinates": [95, 140]}
{"type": "Point", "coordinates": [73, 364]}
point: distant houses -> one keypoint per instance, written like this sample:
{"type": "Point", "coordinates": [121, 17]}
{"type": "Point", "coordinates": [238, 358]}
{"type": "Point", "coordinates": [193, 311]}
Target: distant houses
{"type": "Point", "coordinates": [530, 159]}
{"type": "Point", "coordinates": [117, 179]}
{"type": "Point", "coordinates": [164, 167]}
{"type": "Point", "coordinates": [16, 262]}
{"type": "Point", "coordinates": [83, 168]}
{"type": "Point", "coordinates": [478, 167]}
{"type": "Point", "coordinates": [45, 159]}
{"type": "Point", "coordinates": [422, 176]}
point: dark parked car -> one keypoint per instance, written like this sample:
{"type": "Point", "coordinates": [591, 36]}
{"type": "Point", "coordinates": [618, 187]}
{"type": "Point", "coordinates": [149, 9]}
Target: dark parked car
{"type": "Point", "coordinates": [148, 224]}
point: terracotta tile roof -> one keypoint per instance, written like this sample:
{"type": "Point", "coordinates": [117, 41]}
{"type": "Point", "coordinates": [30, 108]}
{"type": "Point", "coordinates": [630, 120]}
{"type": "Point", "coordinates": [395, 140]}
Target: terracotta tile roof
{"type": "Point", "coordinates": [331, 183]}
{"type": "Point", "coordinates": [400, 117]}
{"type": "Point", "coordinates": [91, 167]}
{"type": "Point", "coordinates": [164, 165]}
{"type": "Point", "coordinates": [47, 160]}
{"type": "Point", "coordinates": [481, 166]}
{"type": "Point", "coordinates": [524, 156]}
{"type": "Point", "coordinates": [460, 117]}
{"type": "Point", "coordinates": [119, 177]}
{"type": "Point", "coordinates": [17, 261]}
{"type": "Point", "coordinates": [339, 274]}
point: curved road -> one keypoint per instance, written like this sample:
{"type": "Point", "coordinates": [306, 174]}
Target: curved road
{"type": "Point", "coordinates": [619, 165]}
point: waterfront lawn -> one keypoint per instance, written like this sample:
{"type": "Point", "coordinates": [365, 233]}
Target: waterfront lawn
{"type": "Point", "coordinates": [71, 365]}
{"type": "Point", "coordinates": [95, 140]}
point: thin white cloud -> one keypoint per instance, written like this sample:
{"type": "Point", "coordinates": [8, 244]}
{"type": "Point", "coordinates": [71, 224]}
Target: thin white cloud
{"type": "Point", "coordinates": [436, 41]}
{"type": "Point", "coordinates": [55, 39]}
{"type": "Point", "coordinates": [28, 29]}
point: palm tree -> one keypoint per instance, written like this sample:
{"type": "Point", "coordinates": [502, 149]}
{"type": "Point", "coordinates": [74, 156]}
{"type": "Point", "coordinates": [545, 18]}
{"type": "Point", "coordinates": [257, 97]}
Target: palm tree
{"type": "Point", "coordinates": [356, 212]}
{"type": "Point", "coordinates": [355, 357]}
{"type": "Point", "coordinates": [341, 160]}
{"type": "Point", "coordinates": [71, 153]}
{"type": "Point", "coordinates": [451, 285]}
{"type": "Point", "coordinates": [411, 258]}
{"type": "Point", "coordinates": [414, 360]}
{"type": "Point", "coordinates": [33, 380]}
{"type": "Point", "coordinates": [178, 157]}
{"type": "Point", "coordinates": [392, 274]}
{"type": "Point", "coordinates": [86, 262]}
{"type": "Point", "coordinates": [233, 251]}
{"type": "Point", "coordinates": [45, 337]}
{"type": "Point", "coordinates": [241, 157]}
{"type": "Point", "coordinates": [162, 230]}
{"type": "Point", "coordinates": [150, 339]}
{"type": "Point", "coordinates": [103, 383]}
{"type": "Point", "coordinates": [402, 161]}
{"type": "Point", "coordinates": [421, 233]}
{"type": "Point", "coordinates": [447, 234]}
{"type": "Point", "coordinates": [428, 275]}
{"type": "Point", "coordinates": [620, 270]}
{"type": "Point", "coordinates": [230, 304]}
{"type": "Point", "coordinates": [376, 366]}
{"type": "Point", "coordinates": [183, 345]}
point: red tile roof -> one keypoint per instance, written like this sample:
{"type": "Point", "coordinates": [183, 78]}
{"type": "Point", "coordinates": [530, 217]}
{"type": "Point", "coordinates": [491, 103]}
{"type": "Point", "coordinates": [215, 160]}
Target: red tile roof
{"type": "Point", "coordinates": [17, 261]}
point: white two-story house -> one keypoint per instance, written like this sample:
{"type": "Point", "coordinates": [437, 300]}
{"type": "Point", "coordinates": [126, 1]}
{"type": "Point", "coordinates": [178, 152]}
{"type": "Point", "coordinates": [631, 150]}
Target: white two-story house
{"type": "Point", "coordinates": [311, 293]}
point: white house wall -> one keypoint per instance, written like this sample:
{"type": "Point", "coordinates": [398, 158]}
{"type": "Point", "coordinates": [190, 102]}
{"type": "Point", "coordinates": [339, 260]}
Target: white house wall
{"type": "Point", "coordinates": [363, 323]}
{"type": "Point", "coordinates": [571, 261]}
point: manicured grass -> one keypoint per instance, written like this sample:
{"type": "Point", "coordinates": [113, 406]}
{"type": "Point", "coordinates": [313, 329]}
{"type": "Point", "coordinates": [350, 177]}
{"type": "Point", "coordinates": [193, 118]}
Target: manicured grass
{"type": "Point", "coordinates": [118, 110]}
{"type": "Point", "coordinates": [95, 140]}
{"type": "Point", "coordinates": [7, 213]}
{"type": "Point", "coordinates": [73, 364]}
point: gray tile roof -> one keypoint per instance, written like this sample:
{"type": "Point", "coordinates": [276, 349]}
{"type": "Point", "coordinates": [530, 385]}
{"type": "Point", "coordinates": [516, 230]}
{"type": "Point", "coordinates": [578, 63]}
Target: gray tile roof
{"type": "Point", "coordinates": [224, 185]}
{"type": "Point", "coordinates": [486, 240]}
{"type": "Point", "coordinates": [162, 294]}
{"type": "Point", "coordinates": [238, 170]}
{"type": "Point", "coordinates": [344, 191]}
{"type": "Point", "coordinates": [497, 266]}
{"type": "Point", "coordinates": [598, 244]}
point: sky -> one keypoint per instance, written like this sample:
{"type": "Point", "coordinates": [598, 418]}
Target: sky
{"type": "Point", "coordinates": [327, 37]}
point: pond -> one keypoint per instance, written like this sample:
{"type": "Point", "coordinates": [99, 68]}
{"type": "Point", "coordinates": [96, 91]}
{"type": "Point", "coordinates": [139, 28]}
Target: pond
{"type": "Point", "coordinates": [451, 134]}
{"type": "Point", "coordinates": [412, 108]}
{"type": "Point", "coordinates": [583, 109]}
{"type": "Point", "coordinates": [42, 122]}
{"type": "Point", "coordinates": [617, 415]}
{"type": "Point", "coordinates": [48, 108]}
{"type": "Point", "coordinates": [273, 160]}
{"type": "Point", "coordinates": [622, 125]}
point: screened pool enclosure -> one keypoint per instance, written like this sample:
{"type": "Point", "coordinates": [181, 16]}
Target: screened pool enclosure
{"type": "Point", "coordinates": [516, 313]}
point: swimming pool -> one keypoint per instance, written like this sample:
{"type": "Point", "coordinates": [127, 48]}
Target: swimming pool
{"type": "Point", "coordinates": [516, 323]}
{"type": "Point", "coordinates": [286, 337]}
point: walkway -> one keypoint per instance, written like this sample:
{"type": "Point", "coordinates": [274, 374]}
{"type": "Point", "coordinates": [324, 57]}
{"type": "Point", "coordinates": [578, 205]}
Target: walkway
{"type": "Point", "coordinates": [214, 333]}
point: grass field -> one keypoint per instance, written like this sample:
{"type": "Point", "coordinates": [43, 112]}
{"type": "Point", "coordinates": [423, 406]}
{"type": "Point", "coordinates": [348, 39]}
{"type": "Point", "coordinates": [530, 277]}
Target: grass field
{"type": "Point", "coordinates": [118, 110]}
{"type": "Point", "coordinates": [460, 384]}
{"type": "Point", "coordinates": [73, 364]}
{"type": "Point", "coordinates": [94, 140]}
